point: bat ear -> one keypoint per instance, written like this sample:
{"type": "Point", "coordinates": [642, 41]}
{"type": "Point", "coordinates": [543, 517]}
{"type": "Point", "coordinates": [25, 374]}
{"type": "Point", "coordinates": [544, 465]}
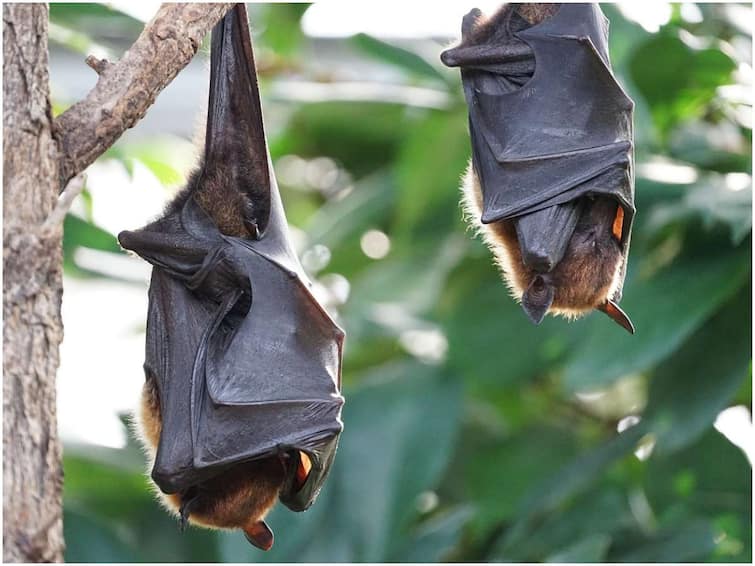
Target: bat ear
{"type": "Point", "coordinates": [235, 146]}
{"type": "Point", "coordinates": [469, 23]}
{"type": "Point", "coordinates": [537, 299]}
{"type": "Point", "coordinates": [618, 315]}
{"type": "Point", "coordinates": [260, 535]}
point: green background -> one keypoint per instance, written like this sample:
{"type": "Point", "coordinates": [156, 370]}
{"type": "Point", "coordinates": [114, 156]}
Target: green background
{"type": "Point", "coordinates": [472, 435]}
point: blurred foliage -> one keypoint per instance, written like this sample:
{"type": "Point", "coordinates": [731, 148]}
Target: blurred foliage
{"type": "Point", "coordinates": [472, 435]}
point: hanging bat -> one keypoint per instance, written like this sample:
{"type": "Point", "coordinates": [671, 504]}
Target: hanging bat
{"type": "Point", "coordinates": [550, 182]}
{"type": "Point", "coordinates": [241, 404]}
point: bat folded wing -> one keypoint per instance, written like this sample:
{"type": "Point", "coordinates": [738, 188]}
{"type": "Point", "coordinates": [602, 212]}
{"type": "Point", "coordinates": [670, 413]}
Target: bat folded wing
{"type": "Point", "coordinates": [247, 362]}
{"type": "Point", "coordinates": [268, 383]}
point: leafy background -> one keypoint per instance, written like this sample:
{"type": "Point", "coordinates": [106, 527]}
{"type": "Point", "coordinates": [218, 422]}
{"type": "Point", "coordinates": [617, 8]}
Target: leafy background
{"type": "Point", "coordinates": [471, 435]}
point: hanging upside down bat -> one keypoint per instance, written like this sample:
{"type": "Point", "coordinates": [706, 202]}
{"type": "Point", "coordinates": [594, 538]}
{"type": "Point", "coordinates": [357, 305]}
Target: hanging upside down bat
{"type": "Point", "coordinates": [241, 404]}
{"type": "Point", "coordinates": [550, 178]}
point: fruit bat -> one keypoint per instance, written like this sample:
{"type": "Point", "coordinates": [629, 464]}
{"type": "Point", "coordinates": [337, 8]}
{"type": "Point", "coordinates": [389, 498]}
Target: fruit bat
{"type": "Point", "coordinates": [241, 404]}
{"type": "Point", "coordinates": [550, 180]}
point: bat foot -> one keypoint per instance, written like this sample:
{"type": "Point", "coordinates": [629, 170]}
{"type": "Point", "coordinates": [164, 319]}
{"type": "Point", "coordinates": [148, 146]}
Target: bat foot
{"type": "Point", "coordinates": [260, 535]}
{"type": "Point", "coordinates": [187, 502]}
{"type": "Point", "coordinates": [253, 227]}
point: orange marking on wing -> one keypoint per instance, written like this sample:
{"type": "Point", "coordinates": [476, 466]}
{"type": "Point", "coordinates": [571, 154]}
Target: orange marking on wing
{"type": "Point", "coordinates": [303, 469]}
{"type": "Point", "coordinates": [618, 223]}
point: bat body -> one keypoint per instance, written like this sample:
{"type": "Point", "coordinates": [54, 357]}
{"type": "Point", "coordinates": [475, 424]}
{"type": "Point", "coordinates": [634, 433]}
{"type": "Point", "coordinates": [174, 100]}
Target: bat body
{"type": "Point", "coordinates": [241, 404]}
{"type": "Point", "coordinates": [240, 497]}
{"type": "Point", "coordinates": [550, 181]}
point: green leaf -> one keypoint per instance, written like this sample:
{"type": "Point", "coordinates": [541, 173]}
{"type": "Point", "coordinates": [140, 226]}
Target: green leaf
{"type": "Point", "coordinates": [434, 539]}
{"type": "Point", "coordinates": [363, 137]}
{"type": "Point", "coordinates": [401, 427]}
{"type": "Point", "coordinates": [592, 548]}
{"type": "Point", "coordinates": [666, 309]}
{"type": "Point", "coordinates": [78, 232]}
{"type": "Point", "coordinates": [689, 390]}
{"type": "Point", "coordinates": [710, 478]}
{"type": "Point", "coordinates": [712, 202]}
{"type": "Point", "coordinates": [681, 81]}
{"type": "Point", "coordinates": [525, 458]}
{"type": "Point", "coordinates": [431, 160]}
{"type": "Point", "coordinates": [491, 342]}
{"type": "Point", "coordinates": [281, 25]}
{"type": "Point", "coordinates": [412, 63]}
{"type": "Point", "coordinates": [545, 496]}
{"type": "Point", "coordinates": [600, 512]}
{"type": "Point", "coordinates": [347, 217]}
{"type": "Point", "coordinates": [692, 542]}
{"type": "Point", "coordinates": [90, 539]}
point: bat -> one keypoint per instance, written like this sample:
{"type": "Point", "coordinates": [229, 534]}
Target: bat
{"type": "Point", "coordinates": [550, 183]}
{"type": "Point", "coordinates": [241, 405]}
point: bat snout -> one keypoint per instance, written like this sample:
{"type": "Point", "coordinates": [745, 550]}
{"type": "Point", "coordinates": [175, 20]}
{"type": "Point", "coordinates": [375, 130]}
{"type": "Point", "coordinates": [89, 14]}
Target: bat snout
{"type": "Point", "coordinates": [538, 260]}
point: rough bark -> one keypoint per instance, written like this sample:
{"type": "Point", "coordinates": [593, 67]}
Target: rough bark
{"type": "Point", "coordinates": [40, 157]}
{"type": "Point", "coordinates": [126, 89]}
{"type": "Point", "coordinates": [32, 286]}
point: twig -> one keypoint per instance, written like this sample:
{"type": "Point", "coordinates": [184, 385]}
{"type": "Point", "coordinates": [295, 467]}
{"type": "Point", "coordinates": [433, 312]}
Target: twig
{"type": "Point", "coordinates": [65, 200]}
{"type": "Point", "coordinates": [127, 88]}
{"type": "Point", "coordinates": [99, 65]}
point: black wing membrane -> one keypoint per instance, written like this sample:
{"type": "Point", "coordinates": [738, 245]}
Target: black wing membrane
{"type": "Point", "coordinates": [247, 361]}
{"type": "Point", "coordinates": [548, 122]}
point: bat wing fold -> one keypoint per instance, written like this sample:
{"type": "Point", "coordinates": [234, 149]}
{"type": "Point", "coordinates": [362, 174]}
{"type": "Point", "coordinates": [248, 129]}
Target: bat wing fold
{"type": "Point", "coordinates": [548, 121]}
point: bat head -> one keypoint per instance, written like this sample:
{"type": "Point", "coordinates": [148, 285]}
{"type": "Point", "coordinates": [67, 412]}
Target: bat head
{"type": "Point", "coordinates": [564, 260]}
{"type": "Point", "coordinates": [238, 497]}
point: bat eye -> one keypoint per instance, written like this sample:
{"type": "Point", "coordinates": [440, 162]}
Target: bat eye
{"type": "Point", "coordinates": [302, 470]}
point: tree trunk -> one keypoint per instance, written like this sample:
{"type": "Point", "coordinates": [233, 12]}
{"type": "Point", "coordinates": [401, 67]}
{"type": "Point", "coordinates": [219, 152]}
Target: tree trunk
{"type": "Point", "coordinates": [33, 288]}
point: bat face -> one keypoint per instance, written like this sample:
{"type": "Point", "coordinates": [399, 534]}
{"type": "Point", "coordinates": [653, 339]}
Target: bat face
{"type": "Point", "coordinates": [238, 498]}
{"type": "Point", "coordinates": [586, 273]}
{"type": "Point", "coordinates": [241, 404]}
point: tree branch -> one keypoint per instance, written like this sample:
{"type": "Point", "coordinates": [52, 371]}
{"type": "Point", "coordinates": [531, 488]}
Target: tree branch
{"type": "Point", "coordinates": [126, 89]}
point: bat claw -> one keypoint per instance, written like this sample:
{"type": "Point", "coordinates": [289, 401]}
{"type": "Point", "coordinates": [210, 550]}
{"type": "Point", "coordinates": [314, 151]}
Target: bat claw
{"type": "Point", "coordinates": [254, 228]}
{"type": "Point", "coordinates": [260, 535]}
{"type": "Point", "coordinates": [185, 510]}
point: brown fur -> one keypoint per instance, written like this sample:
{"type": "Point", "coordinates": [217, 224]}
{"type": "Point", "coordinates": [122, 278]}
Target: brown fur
{"type": "Point", "coordinates": [499, 26]}
{"type": "Point", "coordinates": [237, 498]}
{"type": "Point", "coordinates": [220, 198]}
{"type": "Point", "coordinates": [587, 275]}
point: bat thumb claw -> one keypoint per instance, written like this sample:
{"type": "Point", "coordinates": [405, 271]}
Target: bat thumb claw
{"type": "Point", "coordinates": [449, 58]}
{"type": "Point", "coordinates": [260, 535]}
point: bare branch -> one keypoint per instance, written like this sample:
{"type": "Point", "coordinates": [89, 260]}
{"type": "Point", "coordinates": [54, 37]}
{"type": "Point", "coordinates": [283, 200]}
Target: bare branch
{"type": "Point", "coordinates": [99, 65]}
{"type": "Point", "coordinates": [55, 220]}
{"type": "Point", "coordinates": [126, 89]}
